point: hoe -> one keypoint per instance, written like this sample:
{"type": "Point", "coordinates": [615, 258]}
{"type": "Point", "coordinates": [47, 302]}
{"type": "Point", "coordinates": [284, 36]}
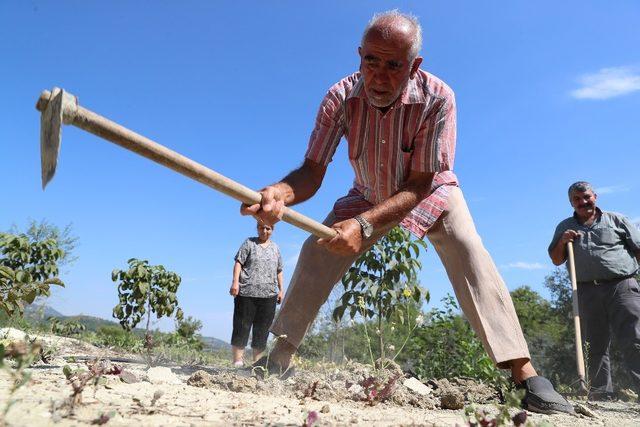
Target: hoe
{"type": "Point", "coordinates": [59, 107]}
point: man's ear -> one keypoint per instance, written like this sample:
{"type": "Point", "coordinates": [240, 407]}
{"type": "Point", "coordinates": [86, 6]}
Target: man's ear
{"type": "Point", "coordinates": [415, 66]}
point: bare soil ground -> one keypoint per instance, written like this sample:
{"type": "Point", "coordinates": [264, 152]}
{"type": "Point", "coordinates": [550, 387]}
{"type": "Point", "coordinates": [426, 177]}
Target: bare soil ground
{"type": "Point", "coordinates": [217, 395]}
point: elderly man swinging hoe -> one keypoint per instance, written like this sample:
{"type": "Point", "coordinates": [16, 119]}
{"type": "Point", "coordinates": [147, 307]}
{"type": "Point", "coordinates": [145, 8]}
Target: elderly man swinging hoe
{"type": "Point", "coordinates": [399, 122]}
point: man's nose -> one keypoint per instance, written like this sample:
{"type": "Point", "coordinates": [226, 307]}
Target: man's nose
{"type": "Point", "coordinates": [380, 76]}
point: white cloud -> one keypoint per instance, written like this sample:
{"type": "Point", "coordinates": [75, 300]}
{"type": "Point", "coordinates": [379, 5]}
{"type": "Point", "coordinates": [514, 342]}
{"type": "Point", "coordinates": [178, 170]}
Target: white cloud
{"type": "Point", "coordinates": [526, 265]}
{"type": "Point", "coordinates": [611, 189]}
{"type": "Point", "coordinates": [608, 83]}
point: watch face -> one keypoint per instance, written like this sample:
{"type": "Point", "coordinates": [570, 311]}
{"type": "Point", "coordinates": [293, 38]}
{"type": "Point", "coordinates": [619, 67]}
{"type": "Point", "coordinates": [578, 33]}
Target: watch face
{"type": "Point", "coordinates": [368, 231]}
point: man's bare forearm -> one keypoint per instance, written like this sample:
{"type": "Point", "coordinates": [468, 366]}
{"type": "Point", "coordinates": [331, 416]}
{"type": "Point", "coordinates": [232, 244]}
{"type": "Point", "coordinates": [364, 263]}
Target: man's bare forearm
{"type": "Point", "coordinates": [301, 183]}
{"type": "Point", "coordinates": [559, 253]}
{"type": "Point", "coordinates": [398, 206]}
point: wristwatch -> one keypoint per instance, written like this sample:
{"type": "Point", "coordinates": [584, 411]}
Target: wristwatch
{"type": "Point", "coordinates": [366, 227]}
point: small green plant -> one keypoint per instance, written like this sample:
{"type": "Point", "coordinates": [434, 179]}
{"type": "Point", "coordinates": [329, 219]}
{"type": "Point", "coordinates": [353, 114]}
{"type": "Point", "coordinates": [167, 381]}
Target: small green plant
{"type": "Point", "coordinates": [114, 336]}
{"type": "Point", "coordinates": [15, 357]}
{"type": "Point", "coordinates": [186, 334]}
{"type": "Point", "coordinates": [587, 377]}
{"type": "Point", "coordinates": [79, 378]}
{"type": "Point", "coordinates": [382, 286]}
{"type": "Point", "coordinates": [27, 270]}
{"type": "Point", "coordinates": [144, 289]}
{"type": "Point", "coordinates": [263, 371]}
{"type": "Point", "coordinates": [66, 329]}
{"type": "Point", "coordinates": [377, 390]}
{"type": "Point", "coordinates": [478, 417]}
{"type": "Point", "coordinates": [446, 346]}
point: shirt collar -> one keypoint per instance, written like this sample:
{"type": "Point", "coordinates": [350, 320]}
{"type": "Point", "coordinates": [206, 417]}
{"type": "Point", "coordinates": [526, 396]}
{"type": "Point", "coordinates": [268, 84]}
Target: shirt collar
{"type": "Point", "coordinates": [412, 94]}
{"type": "Point", "coordinates": [598, 217]}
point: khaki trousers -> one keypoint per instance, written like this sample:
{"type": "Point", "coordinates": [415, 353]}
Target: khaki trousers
{"type": "Point", "coordinates": [481, 292]}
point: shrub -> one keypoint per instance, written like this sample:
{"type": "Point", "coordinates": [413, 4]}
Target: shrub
{"type": "Point", "coordinates": [27, 269]}
{"type": "Point", "coordinates": [382, 284]}
{"type": "Point", "coordinates": [446, 346]}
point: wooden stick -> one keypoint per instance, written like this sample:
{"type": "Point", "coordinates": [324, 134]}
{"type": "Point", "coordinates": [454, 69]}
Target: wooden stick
{"type": "Point", "coordinates": [113, 132]}
{"type": "Point", "coordinates": [576, 314]}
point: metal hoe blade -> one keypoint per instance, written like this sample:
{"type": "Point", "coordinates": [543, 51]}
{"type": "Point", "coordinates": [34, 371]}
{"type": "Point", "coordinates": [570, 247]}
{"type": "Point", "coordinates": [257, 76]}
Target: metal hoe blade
{"type": "Point", "coordinates": [59, 110]}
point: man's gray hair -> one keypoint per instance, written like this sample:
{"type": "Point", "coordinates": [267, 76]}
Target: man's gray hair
{"type": "Point", "coordinates": [580, 186]}
{"type": "Point", "coordinates": [391, 16]}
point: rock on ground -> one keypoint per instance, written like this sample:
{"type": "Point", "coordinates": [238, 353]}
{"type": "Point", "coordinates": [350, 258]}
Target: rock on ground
{"type": "Point", "coordinates": [161, 375]}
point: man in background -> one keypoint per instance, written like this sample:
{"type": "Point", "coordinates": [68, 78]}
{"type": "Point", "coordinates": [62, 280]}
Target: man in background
{"type": "Point", "coordinates": [606, 249]}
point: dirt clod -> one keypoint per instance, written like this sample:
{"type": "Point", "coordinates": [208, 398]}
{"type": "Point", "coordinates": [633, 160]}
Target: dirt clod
{"type": "Point", "coordinates": [582, 409]}
{"type": "Point", "coordinates": [200, 379]}
{"type": "Point", "coordinates": [128, 377]}
{"type": "Point", "coordinates": [452, 399]}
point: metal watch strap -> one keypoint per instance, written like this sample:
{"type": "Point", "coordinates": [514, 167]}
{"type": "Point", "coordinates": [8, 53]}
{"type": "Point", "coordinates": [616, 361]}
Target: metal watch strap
{"type": "Point", "coordinates": [365, 226]}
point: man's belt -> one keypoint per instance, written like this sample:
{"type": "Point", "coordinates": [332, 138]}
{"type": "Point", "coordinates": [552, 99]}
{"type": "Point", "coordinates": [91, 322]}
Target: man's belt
{"type": "Point", "coordinates": [606, 281]}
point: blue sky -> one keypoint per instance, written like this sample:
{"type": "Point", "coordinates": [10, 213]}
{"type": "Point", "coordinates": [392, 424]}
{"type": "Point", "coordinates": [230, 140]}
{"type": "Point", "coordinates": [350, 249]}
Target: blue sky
{"type": "Point", "coordinates": [548, 93]}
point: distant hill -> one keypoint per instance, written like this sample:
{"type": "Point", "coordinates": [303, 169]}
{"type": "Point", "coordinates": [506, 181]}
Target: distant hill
{"type": "Point", "coordinates": [215, 343]}
{"type": "Point", "coordinates": [41, 312]}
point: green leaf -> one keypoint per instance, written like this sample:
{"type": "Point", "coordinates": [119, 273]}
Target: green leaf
{"type": "Point", "coordinates": [338, 312]}
{"type": "Point", "coordinates": [54, 281]}
{"type": "Point", "coordinates": [416, 295]}
{"type": "Point", "coordinates": [30, 296]}
{"type": "Point", "coordinates": [352, 311]}
{"type": "Point", "coordinates": [118, 312]}
{"type": "Point", "coordinates": [21, 276]}
{"type": "Point", "coordinates": [7, 273]}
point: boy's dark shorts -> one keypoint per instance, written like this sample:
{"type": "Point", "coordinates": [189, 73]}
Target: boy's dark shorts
{"type": "Point", "coordinates": [252, 312]}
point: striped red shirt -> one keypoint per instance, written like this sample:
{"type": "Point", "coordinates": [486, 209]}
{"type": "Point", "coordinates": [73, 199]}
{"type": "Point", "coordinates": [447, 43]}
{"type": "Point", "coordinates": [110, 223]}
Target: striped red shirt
{"type": "Point", "coordinates": [418, 133]}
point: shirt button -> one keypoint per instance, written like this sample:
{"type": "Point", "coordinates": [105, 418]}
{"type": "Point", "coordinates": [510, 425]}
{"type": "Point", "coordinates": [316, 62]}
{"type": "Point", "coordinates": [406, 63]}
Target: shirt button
{"type": "Point", "coordinates": [383, 141]}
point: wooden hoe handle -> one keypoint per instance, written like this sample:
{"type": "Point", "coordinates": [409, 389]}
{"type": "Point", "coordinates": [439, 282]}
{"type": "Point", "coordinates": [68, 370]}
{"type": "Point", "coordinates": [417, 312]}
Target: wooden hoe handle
{"type": "Point", "coordinates": [113, 132]}
{"type": "Point", "coordinates": [576, 313]}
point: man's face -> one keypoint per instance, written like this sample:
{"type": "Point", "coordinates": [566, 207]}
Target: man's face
{"type": "Point", "coordinates": [386, 68]}
{"type": "Point", "coordinates": [584, 203]}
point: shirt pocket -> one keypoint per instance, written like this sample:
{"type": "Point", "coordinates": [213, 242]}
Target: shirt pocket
{"type": "Point", "coordinates": [406, 156]}
{"type": "Point", "coordinates": [607, 237]}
